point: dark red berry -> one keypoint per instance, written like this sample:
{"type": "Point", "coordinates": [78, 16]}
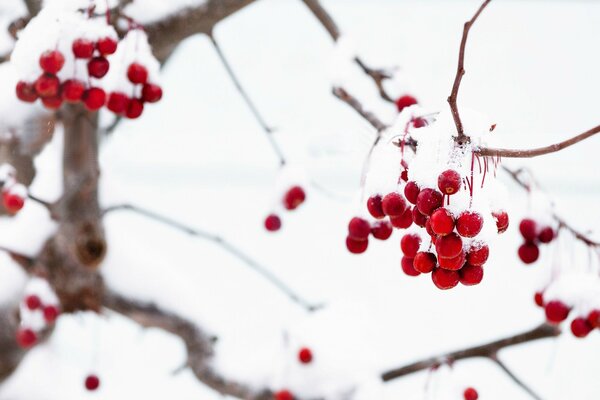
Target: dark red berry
{"type": "Point", "coordinates": [419, 218]}
{"type": "Point", "coordinates": [47, 85]}
{"type": "Point", "coordinates": [33, 302]}
{"type": "Point", "coordinates": [428, 201]}
{"type": "Point", "coordinates": [529, 252]}
{"type": "Point", "coordinates": [26, 338]}
{"type": "Point", "coordinates": [528, 229]}
{"type": "Point", "coordinates": [449, 246]}
{"type": "Point", "coordinates": [546, 235]}
{"type": "Point", "coordinates": [52, 61]}
{"type": "Point", "coordinates": [407, 266]}
{"type": "Point", "coordinates": [98, 67]}
{"type": "Point", "coordinates": [50, 314]}
{"type": "Point", "coordinates": [92, 382]}
{"type": "Point", "coordinates": [106, 46]}
{"type": "Point", "coordinates": [419, 122]}
{"type": "Point", "coordinates": [449, 182]}
{"type": "Point", "coordinates": [404, 175]}
{"type": "Point", "coordinates": [470, 394]}
{"type": "Point", "coordinates": [381, 230]}
{"type": "Point", "coordinates": [12, 202]}
{"type": "Point", "coordinates": [26, 92]}
{"type": "Point", "coordinates": [581, 327]}
{"type": "Point", "coordinates": [454, 263]}
{"type": "Point", "coordinates": [409, 244]}
{"type": "Point", "coordinates": [478, 254]}
{"type": "Point", "coordinates": [305, 356]}
{"type": "Point", "coordinates": [501, 218]}
{"type": "Point", "coordinates": [53, 102]}
{"type": "Point", "coordinates": [374, 206]}
{"type": "Point", "coordinates": [393, 204]}
{"type": "Point", "coordinates": [356, 246]}
{"type": "Point", "coordinates": [137, 73]}
{"type": "Point", "coordinates": [424, 262]}
{"type": "Point", "coordinates": [151, 93]}
{"type": "Point", "coordinates": [83, 48]}
{"type": "Point", "coordinates": [469, 224]}
{"type": "Point", "coordinates": [294, 197]}
{"type": "Point", "coordinates": [403, 221]}
{"type": "Point", "coordinates": [117, 102]}
{"type": "Point", "coordinates": [359, 228]}
{"type": "Point", "coordinates": [594, 318]}
{"type": "Point", "coordinates": [430, 231]}
{"type": "Point", "coordinates": [538, 297]}
{"type": "Point", "coordinates": [444, 279]}
{"type": "Point", "coordinates": [411, 191]}
{"type": "Point", "coordinates": [135, 108]}
{"type": "Point", "coordinates": [556, 311]}
{"type": "Point", "coordinates": [272, 223]}
{"type": "Point", "coordinates": [72, 90]}
{"type": "Point", "coordinates": [470, 275]}
{"type": "Point", "coordinates": [284, 395]}
{"type": "Point", "coordinates": [94, 98]}
{"type": "Point", "coordinates": [442, 222]}
{"type": "Point", "coordinates": [405, 101]}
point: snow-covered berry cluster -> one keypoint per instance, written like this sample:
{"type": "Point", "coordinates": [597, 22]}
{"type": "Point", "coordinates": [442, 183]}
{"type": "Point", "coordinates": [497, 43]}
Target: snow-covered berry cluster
{"type": "Point", "coordinates": [533, 234]}
{"type": "Point", "coordinates": [38, 310]}
{"type": "Point", "coordinates": [13, 193]}
{"type": "Point", "coordinates": [292, 199]}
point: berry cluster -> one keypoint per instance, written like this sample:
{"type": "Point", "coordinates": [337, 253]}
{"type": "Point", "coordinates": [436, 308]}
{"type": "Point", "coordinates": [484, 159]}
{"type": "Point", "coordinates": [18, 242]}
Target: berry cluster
{"type": "Point", "coordinates": [533, 234]}
{"type": "Point", "coordinates": [558, 311]}
{"type": "Point", "coordinates": [26, 336]}
{"type": "Point", "coordinates": [359, 230]}
{"type": "Point", "coordinates": [292, 199]}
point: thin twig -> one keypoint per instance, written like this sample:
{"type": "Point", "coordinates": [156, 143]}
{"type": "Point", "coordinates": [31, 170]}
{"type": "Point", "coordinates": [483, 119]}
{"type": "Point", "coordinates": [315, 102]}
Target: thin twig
{"type": "Point", "coordinates": [460, 71]}
{"type": "Point", "coordinates": [515, 378]}
{"type": "Point", "coordinates": [347, 98]}
{"type": "Point", "coordinates": [230, 248]}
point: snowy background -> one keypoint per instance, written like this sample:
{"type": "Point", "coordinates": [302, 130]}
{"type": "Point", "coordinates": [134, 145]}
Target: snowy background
{"type": "Point", "coordinates": [199, 157]}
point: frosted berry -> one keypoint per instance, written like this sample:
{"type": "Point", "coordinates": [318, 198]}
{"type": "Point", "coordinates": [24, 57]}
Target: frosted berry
{"type": "Point", "coordinates": [47, 85]}
{"type": "Point", "coordinates": [12, 202]}
{"type": "Point", "coordinates": [454, 263]}
{"type": "Point", "coordinates": [356, 246]}
{"type": "Point", "coordinates": [117, 102]}
{"type": "Point", "coordinates": [52, 61]}
{"type": "Point", "coordinates": [418, 218]}
{"type": "Point", "coordinates": [52, 102]}
{"type": "Point", "coordinates": [33, 302]}
{"type": "Point", "coordinates": [538, 298]}
{"type": "Point", "coordinates": [72, 90]}
{"type": "Point", "coordinates": [409, 244]}
{"type": "Point", "coordinates": [50, 314]}
{"type": "Point", "coordinates": [442, 222]}
{"type": "Point", "coordinates": [359, 229]}
{"type": "Point", "coordinates": [546, 235]}
{"type": "Point", "coordinates": [407, 266]}
{"type": "Point", "coordinates": [449, 182]}
{"type": "Point", "coordinates": [94, 98]}
{"type": "Point", "coordinates": [556, 311]}
{"type": "Point", "coordinates": [501, 218]}
{"type": "Point", "coordinates": [594, 318]}
{"type": "Point", "coordinates": [424, 262]}
{"type": "Point", "coordinates": [294, 197]}
{"type": "Point", "coordinates": [528, 229]}
{"type": "Point", "coordinates": [83, 48]}
{"type": "Point", "coordinates": [403, 221]}
{"type": "Point", "coordinates": [135, 108]}
{"type": "Point", "coordinates": [26, 92]}
{"type": "Point", "coordinates": [381, 230]}
{"type": "Point", "coordinates": [470, 275]}
{"type": "Point", "coordinates": [444, 279]}
{"type": "Point", "coordinates": [92, 382]}
{"type": "Point", "coordinates": [478, 255]}
{"type": "Point", "coordinates": [469, 224]}
{"type": "Point", "coordinates": [106, 46]}
{"type": "Point", "coordinates": [98, 67]}
{"type": "Point", "coordinates": [393, 204]}
{"type": "Point", "coordinates": [581, 327]}
{"type": "Point", "coordinates": [151, 93]}
{"type": "Point", "coordinates": [470, 394]}
{"type": "Point", "coordinates": [137, 73]}
{"type": "Point", "coordinates": [419, 122]}
{"type": "Point", "coordinates": [529, 252]}
{"type": "Point", "coordinates": [405, 101]}
{"type": "Point", "coordinates": [26, 338]}
{"type": "Point", "coordinates": [411, 192]}
{"type": "Point", "coordinates": [448, 246]}
{"type": "Point", "coordinates": [374, 206]}
{"type": "Point", "coordinates": [428, 201]}
{"type": "Point", "coordinates": [284, 395]}
{"type": "Point", "coordinates": [305, 356]}
{"type": "Point", "coordinates": [272, 223]}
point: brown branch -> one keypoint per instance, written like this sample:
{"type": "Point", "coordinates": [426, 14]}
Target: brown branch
{"type": "Point", "coordinates": [515, 378]}
{"type": "Point", "coordinates": [460, 71]}
{"type": "Point", "coordinates": [487, 350]}
{"type": "Point", "coordinates": [33, 6]}
{"type": "Point", "coordinates": [347, 98]}
{"type": "Point", "coordinates": [225, 245]}
{"type": "Point", "coordinates": [508, 153]}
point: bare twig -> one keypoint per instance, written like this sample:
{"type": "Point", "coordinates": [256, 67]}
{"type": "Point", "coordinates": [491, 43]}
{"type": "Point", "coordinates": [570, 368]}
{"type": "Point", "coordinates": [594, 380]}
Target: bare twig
{"type": "Point", "coordinates": [460, 71]}
{"type": "Point", "coordinates": [515, 378]}
{"type": "Point", "coordinates": [347, 98]}
{"type": "Point", "coordinates": [225, 245]}
{"type": "Point", "coordinates": [487, 350]}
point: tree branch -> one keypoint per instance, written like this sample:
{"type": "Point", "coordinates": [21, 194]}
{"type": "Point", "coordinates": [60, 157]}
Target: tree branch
{"type": "Point", "coordinates": [225, 245]}
{"type": "Point", "coordinates": [515, 378]}
{"type": "Point", "coordinates": [371, 118]}
{"type": "Point", "coordinates": [486, 350]}
{"type": "Point", "coordinates": [460, 71]}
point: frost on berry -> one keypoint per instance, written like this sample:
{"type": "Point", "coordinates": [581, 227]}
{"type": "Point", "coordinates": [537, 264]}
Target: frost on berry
{"type": "Point", "coordinates": [381, 230]}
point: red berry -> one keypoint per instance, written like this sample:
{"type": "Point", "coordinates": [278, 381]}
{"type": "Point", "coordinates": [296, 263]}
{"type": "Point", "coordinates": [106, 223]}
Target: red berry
{"type": "Point", "coordinates": [137, 73]}
{"type": "Point", "coordinates": [538, 297]}
{"type": "Point", "coordinates": [52, 61]}
{"type": "Point", "coordinates": [393, 204]}
{"type": "Point", "coordinates": [83, 48]}
{"type": "Point", "coordinates": [117, 102]}
{"type": "Point", "coordinates": [594, 318]}
{"type": "Point", "coordinates": [381, 230]}
{"type": "Point", "coordinates": [151, 93]}
{"type": "Point", "coordinates": [419, 122]}
{"type": "Point", "coordinates": [529, 252]}
{"type": "Point", "coordinates": [469, 224]}
{"type": "Point", "coordinates": [33, 302]}
{"type": "Point", "coordinates": [135, 108]}
{"type": "Point", "coordinates": [411, 191]}
{"type": "Point", "coordinates": [444, 279]}
{"type": "Point", "coordinates": [428, 201]}
{"type": "Point", "coordinates": [407, 266]}
{"type": "Point", "coordinates": [470, 275]}
{"type": "Point", "coordinates": [284, 395]}
{"type": "Point", "coordinates": [449, 182]}
{"type": "Point", "coordinates": [424, 262]}
{"type": "Point", "coordinates": [53, 102]}
{"type": "Point", "coordinates": [528, 229]}
{"type": "Point", "coordinates": [419, 218]}
{"type": "Point", "coordinates": [441, 222]}
{"type": "Point", "coordinates": [501, 218]}
{"type": "Point", "coordinates": [356, 246]}
{"type": "Point", "coordinates": [581, 327]}
{"type": "Point", "coordinates": [430, 232]}
{"type": "Point", "coordinates": [405, 101]}
{"type": "Point", "coordinates": [374, 206]}
{"type": "Point", "coordinates": [272, 223]}
{"type": "Point", "coordinates": [106, 46]}
{"type": "Point", "coordinates": [94, 98]}
{"type": "Point", "coordinates": [50, 314]}
{"type": "Point", "coordinates": [470, 394]}
{"type": "Point", "coordinates": [92, 382]}
{"type": "Point", "coordinates": [556, 311]}
{"type": "Point", "coordinates": [403, 221]}
{"type": "Point", "coordinates": [410, 244]}
{"type": "Point", "coordinates": [305, 355]}
{"type": "Point", "coordinates": [454, 263]}
{"type": "Point", "coordinates": [98, 67]}
{"type": "Point", "coordinates": [359, 229]}
{"type": "Point", "coordinates": [546, 235]}
{"type": "Point", "coordinates": [449, 246]}
{"type": "Point", "coordinates": [47, 85]}
{"type": "Point", "coordinates": [26, 338]}
{"type": "Point", "coordinates": [478, 254]}
{"type": "Point", "coordinates": [72, 90]}
{"type": "Point", "coordinates": [294, 197]}
{"type": "Point", "coordinates": [26, 92]}
{"type": "Point", "coordinates": [12, 202]}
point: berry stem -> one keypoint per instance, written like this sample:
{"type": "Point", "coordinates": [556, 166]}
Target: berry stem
{"type": "Point", "coordinates": [515, 378]}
